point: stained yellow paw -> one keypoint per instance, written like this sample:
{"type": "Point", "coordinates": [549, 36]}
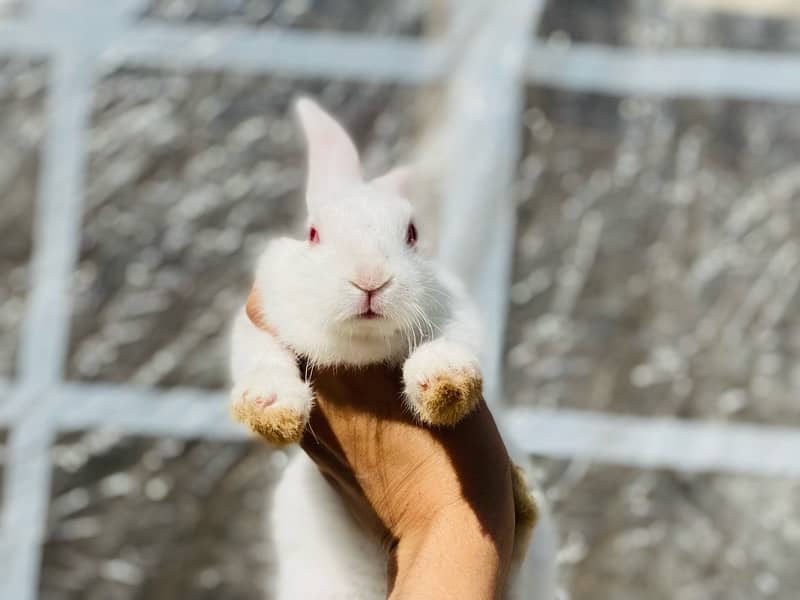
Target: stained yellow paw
{"type": "Point", "coordinates": [277, 424]}
{"type": "Point", "coordinates": [448, 397]}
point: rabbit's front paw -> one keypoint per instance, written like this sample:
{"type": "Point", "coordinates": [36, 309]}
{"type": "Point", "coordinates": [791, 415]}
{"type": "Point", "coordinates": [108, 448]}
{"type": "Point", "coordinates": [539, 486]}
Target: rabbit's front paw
{"type": "Point", "coordinates": [274, 407]}
{"type": "Point", "coordinates": [443, 382]}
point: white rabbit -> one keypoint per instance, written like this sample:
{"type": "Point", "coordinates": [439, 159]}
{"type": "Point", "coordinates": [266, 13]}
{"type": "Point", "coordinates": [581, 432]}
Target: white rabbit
{"type": "Point", "coordinates": [357, 291]}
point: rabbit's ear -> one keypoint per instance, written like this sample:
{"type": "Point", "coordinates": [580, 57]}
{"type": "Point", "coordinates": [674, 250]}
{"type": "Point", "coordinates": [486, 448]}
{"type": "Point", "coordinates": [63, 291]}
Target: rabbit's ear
{"type": "Point", "coordinates": [397, 181]}
{"type": "Point", "coordinates": [333, 160]}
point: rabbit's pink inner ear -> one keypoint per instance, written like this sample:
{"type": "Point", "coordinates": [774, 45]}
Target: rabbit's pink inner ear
{"type": "Point", "coordinates": [333, 159]}
{"type": "Point", "coordinates": [396, 181]}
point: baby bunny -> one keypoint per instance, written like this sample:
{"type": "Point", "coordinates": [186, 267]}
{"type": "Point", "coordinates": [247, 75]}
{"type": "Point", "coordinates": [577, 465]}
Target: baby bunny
{"type": "Point", "coordinates": [359, 290]}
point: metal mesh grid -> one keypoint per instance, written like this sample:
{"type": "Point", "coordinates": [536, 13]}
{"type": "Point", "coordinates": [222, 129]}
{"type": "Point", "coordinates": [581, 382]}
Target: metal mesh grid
{"type": "Point", "coordinates": [80, 40]}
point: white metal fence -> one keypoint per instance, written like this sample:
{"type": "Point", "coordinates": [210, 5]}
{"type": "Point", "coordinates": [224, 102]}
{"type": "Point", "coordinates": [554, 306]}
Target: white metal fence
{"type": "Point", "coordinates": [81, 39]}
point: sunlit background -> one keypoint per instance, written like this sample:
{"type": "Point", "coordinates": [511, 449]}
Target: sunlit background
{"type": "Point", "coordinates": [652, 150]}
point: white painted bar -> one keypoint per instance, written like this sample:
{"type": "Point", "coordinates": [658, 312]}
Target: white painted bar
{"type": "Point", "coordinates": [43, 344]}
{"type": "Point", "coordinates": [185, 413]}
{"type": "Point", "coordinates": [701, 73]}
{"type": "Point", "coordinates": [45, 330]}
{"type": "Point", "coordinates": [479, 216]}
{"type": "Point", "coordinates": [657, 443]}
{"type": "Point", "coordinates": [297, 53]}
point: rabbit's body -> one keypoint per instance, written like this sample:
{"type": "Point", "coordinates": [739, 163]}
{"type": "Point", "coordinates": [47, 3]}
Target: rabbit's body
{"type": "Point", "coordinates": [356, 292]}
{"type": "Point", "coordinates": [323, 553]}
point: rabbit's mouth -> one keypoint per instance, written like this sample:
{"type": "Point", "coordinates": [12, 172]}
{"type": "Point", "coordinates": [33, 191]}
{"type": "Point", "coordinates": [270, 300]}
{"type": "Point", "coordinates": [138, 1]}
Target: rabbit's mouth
{"type": "Point", "coordinates": [370, 315]}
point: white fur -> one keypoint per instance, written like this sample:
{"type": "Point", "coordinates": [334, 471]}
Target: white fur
{"type": "Point", "coordinates": [263, 369]}
{"type": "Point", "coordinates": [323, 554]}
{"type": "Point", "coordinates": [437, 356]}
{"type": "Point", "coordinates": [311, 296]}
{"type": "Point", "coordinates": [310, 292]}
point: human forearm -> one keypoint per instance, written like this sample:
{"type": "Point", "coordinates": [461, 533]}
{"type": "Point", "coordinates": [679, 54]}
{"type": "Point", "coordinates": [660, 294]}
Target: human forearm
{"type": "Point", "coordinates": [454, 557]}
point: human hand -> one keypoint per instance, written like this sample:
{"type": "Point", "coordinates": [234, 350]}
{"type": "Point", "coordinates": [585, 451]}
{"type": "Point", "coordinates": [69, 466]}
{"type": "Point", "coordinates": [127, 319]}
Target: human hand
{"type": "Point", "coordinates": [442, 499]}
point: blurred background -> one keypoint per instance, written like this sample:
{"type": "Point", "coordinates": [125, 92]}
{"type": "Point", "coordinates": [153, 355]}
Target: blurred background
{"type": "Point", "coordinates": [652, 174]}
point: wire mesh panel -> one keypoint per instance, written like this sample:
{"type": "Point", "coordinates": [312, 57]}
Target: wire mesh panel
{"type": "Point", "coordinates": [146, 151]}
{"type": "Point", "coordinates": [115, 497]}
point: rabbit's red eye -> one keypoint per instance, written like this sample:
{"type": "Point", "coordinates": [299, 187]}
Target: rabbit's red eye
{"type": "Point", "coordinates": [313, 235]}
{"type": "Point", "coordinates": [412, 235]}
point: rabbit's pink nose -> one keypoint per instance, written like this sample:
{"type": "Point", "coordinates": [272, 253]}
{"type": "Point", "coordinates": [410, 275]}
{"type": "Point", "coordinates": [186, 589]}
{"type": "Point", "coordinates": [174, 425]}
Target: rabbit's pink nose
{"type": "Point", "coordinates": [371, 280]}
